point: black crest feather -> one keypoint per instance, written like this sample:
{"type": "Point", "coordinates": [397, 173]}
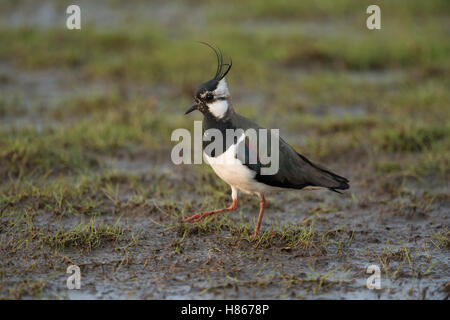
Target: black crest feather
{"type": "Point", "coordinates": [220, 74]}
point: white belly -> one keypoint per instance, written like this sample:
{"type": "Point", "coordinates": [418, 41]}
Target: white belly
{"type": "Point", "coordinates": [235, 173]}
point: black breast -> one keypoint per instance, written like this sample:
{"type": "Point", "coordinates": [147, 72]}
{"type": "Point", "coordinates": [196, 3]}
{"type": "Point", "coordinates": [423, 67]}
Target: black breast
{"type": "Point", "coordinates": [210, 122]}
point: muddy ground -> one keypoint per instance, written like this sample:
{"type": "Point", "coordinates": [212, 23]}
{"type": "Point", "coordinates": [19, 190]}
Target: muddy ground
{"type": "Point", "coordinates": [87, 179]}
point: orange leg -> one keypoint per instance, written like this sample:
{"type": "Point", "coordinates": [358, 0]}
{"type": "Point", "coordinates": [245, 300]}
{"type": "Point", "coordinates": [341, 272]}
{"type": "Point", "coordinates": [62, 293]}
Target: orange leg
{"type": "Point", "coordinates": [199, 216]}
{"type": "Point", "coordinates": [262, 204]}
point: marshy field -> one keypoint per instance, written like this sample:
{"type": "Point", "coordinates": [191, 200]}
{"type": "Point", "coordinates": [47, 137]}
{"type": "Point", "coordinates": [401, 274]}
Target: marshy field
{"type": "Point", "coordinates": [86, 177]}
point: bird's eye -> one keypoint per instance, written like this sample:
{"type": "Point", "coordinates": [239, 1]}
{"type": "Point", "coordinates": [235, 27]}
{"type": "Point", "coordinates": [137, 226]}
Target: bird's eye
{"type": "Point", "coordinates": [209, 96]}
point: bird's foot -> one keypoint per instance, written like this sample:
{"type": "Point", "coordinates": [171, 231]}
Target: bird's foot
{"type": "Point", "coordinates": [196, 217]}
{"type": "Point", "coordinates": [255, 235]}
{"type": "Point", "coordinates": [200, 216]}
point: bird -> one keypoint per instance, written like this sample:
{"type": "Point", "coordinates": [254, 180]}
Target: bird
{"type": "Point", "coordinates": [295, 171]}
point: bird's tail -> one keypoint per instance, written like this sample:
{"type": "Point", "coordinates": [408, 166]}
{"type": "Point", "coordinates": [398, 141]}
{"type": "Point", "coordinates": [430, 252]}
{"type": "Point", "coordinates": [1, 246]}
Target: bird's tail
{"type": "Point", "coordinates": [332, 181]}
{"type": "Point", "coordinates": [343, 183]}
{"type": "Point", "coordinates": [323, 177]}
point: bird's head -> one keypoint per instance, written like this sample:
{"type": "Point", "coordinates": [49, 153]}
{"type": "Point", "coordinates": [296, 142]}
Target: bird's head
{"type": "Point", "coordinates": [212, 97]}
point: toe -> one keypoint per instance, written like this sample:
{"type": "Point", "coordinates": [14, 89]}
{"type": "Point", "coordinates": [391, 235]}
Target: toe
{"type": "Point", "coordinates": [193, 218]}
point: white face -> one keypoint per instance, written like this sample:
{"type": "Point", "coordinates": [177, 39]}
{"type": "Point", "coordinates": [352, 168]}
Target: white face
{"type": "Point", "coordinates": [219, 106]}
{"type": "Point", "coordinates": [222, 90]}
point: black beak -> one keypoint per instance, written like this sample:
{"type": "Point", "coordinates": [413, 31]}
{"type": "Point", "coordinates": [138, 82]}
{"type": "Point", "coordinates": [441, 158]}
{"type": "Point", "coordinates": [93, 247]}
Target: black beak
{"type": "Point", "coordinates": [194, 107]}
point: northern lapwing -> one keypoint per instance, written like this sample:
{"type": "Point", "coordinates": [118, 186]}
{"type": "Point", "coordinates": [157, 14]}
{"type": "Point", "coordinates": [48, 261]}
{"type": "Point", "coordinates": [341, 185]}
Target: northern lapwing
{"type": "Point", "coordinates": [295, 172]}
